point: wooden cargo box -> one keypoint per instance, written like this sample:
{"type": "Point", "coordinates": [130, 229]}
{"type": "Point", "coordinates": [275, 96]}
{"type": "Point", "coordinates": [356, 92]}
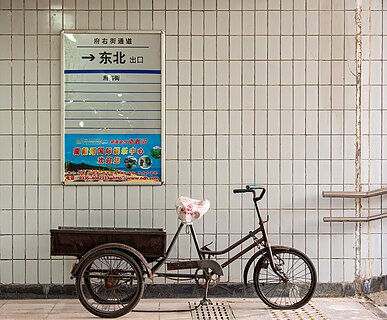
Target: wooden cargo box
{"type": "Point", "coordinates": [76, 241]}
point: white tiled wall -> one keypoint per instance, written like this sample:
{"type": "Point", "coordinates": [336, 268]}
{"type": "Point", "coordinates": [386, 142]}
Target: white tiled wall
{"type": "Point", "coordinates": [373, 126]}
{"type": "Point", "coordinates": [256, 92]}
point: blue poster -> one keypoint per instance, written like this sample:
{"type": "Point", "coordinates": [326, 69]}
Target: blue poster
{"type": "Point", "coordinates": [113, 158]}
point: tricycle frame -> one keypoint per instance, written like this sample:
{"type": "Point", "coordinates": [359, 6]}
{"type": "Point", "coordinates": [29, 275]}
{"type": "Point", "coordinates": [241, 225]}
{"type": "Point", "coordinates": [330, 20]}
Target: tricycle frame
{"type": "Point", "coordinates": [258, 243]}
{"type": "Point", "coordinates": [261, 243]}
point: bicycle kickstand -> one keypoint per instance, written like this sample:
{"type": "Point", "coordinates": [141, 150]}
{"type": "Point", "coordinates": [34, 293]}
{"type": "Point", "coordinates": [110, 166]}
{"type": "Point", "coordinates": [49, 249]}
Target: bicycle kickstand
{"type": "Point", "coordinates": [205, 300]}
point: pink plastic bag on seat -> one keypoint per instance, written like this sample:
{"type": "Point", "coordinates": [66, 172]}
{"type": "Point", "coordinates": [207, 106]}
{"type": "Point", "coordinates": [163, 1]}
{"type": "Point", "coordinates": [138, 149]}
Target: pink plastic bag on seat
{"type": "Point", "coordinates": [189, 210]}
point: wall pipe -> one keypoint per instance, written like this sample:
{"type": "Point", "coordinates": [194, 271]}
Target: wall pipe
{"type": "Point", "coordinates": [356, 219]}
{"type": "Point", "coordinates": [358, 21]}
{"type": "Point", "coordinates": [354, 194]}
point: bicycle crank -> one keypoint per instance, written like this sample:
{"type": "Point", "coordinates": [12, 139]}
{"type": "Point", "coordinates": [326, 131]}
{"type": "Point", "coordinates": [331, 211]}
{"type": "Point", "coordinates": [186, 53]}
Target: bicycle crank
{"type": "Point", "coordinates": [201, 275]}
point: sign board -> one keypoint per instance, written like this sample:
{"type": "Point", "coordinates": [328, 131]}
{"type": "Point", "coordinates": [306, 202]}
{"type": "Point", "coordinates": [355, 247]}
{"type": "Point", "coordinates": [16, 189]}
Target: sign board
{"type": "Point", "coordinates": [113, 107]}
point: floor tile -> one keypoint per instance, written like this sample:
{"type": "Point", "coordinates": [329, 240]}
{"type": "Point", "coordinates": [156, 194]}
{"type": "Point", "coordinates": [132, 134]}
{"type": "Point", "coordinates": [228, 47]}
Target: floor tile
{"type": "Point", "coordinates": [27, 308]}
{"type": "Point", "coordinates": [343, 309]}
{"type": "Point", "coordinates": [246, 309]}
{"type": "Point", "coordinates": [72, 315]}
{"type": "Point", "coordinates": [15, 316]}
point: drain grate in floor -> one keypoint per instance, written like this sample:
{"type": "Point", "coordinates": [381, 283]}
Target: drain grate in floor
{"type": "Point", "coordinates": [211, 311]}
{"type": "Point", "coordinates": [309, 311]}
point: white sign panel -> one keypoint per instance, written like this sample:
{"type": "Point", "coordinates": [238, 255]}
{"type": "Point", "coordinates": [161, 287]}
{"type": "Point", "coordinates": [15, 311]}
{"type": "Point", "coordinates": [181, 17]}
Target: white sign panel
{"type": "Point", "coordinates": [113, 107]}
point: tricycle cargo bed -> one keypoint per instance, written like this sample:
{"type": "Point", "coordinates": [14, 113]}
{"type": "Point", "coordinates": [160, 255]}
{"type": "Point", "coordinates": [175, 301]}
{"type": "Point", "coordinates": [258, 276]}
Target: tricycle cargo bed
{"type": "Point", "coordinates": [76, 241]}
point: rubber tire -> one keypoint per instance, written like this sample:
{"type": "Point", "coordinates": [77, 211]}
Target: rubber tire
{"type": "Point", "coordinates": [135, 298]}
{"type": "Point", "coordinates": [309, 265]}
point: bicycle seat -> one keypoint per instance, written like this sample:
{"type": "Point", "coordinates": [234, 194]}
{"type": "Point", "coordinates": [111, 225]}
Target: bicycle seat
{"type": "Point", "coordinates": [189, 210]}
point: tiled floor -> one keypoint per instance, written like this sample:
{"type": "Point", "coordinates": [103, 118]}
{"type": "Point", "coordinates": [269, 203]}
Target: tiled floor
{"type": "Point", "coordinates": [247, 309]}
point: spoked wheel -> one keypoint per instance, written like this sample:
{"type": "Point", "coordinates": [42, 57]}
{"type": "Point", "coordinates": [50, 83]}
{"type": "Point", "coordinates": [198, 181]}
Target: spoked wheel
{"type": "Point", "coordinates": [294, 288]}
{"type": "Point", "coordinates": [109, 283]}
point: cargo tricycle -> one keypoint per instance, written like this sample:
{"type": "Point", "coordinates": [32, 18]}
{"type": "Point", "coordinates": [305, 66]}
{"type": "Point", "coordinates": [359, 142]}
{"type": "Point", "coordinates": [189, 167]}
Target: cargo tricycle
{"type": "Point", "coordinates": [112, 263]}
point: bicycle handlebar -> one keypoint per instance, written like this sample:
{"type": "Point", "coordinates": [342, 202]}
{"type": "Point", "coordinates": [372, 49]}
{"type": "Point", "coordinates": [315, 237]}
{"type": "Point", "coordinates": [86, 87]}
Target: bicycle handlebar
{"type": "Point", "coordinates": [239, 190]}
{"type": "Point", "coordinates": [252, 189]}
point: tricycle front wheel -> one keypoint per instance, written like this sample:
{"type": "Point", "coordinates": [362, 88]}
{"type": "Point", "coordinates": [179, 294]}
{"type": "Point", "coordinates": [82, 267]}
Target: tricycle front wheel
{"type": "Point", "coordinates": [293, 283]}
{"type": "Point", "coordinates": [110, 283]}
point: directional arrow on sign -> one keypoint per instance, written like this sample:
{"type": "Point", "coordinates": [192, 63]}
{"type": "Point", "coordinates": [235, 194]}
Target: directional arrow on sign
{"type": "Point", "coordinates": [90, 57]}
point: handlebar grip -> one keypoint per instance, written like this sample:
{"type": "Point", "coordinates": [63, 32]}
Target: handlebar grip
{"type": "Point", "coordinates": [252, 187]}
{"type": "Point", "coordinates": [239, 191]}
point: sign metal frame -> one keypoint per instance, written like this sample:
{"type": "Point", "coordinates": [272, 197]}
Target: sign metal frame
{"type": "Point", "coordinates": [162, 104]}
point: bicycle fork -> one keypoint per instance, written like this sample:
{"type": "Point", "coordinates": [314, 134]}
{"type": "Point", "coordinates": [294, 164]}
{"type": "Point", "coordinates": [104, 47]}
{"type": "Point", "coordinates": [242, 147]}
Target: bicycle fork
{"type": "Point", "coordinates": [274, 266]}
{"type": "Point", "coordinates": [270, 252]}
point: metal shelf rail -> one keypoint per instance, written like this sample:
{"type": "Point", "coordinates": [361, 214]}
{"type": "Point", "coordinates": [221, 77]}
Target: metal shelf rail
{"type": "Point", "coordinates": [355, 195]}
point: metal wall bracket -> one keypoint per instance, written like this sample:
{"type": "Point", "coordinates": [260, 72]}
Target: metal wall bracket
{"type": "Point", "coordinates": [355, 219]}
{"type": "Point", "coordinates": [355, 195]}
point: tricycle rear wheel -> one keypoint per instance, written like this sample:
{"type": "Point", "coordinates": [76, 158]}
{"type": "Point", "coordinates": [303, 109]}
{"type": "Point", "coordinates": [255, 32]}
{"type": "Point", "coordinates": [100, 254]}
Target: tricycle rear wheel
{"type": "Point", "coordinates": [110, 283]}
